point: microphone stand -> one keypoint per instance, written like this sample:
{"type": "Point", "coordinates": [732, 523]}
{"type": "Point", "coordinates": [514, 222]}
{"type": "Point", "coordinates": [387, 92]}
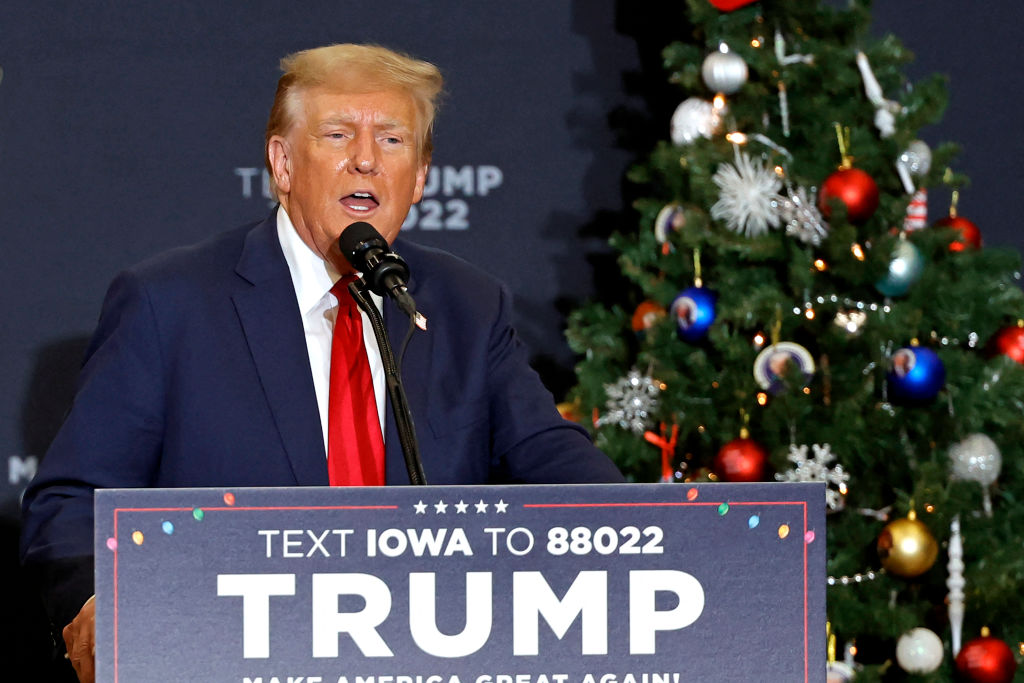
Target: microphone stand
{"type": "Point", "coordinates": [393, 380]}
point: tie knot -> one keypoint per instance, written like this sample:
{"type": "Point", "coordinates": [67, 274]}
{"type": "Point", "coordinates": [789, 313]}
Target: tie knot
{"type": "Point", "coordinates": [341, 293]}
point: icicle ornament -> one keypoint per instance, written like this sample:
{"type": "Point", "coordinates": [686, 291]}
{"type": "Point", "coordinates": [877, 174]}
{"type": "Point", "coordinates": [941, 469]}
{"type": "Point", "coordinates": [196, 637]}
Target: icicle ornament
{"type": "Point", "coordinates": [885, 110]}
{"type": "Point", "coordinates": [956, 584]}
{"type": "Point", "coordinates": [786, 60]}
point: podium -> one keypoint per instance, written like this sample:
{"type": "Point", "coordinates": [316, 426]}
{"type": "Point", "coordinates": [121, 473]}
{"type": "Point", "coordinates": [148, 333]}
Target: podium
{"type": "Point", "coordinates": [605, 583]}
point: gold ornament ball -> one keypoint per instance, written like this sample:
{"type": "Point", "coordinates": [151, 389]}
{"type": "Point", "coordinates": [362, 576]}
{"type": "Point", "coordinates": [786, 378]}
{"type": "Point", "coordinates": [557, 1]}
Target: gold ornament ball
{"type": "Point", "coordinates": [907, 548]}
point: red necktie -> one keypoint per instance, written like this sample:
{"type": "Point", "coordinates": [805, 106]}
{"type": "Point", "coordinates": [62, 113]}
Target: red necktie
{"type": "Point", "coordinates": [355, 447]}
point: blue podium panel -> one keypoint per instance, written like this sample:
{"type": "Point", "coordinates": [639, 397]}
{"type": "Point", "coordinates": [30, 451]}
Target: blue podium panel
{"type": "Point", "coordinates": [662, 583]}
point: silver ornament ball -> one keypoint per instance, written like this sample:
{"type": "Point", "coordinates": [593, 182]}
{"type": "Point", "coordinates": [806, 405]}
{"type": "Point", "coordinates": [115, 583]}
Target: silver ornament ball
{"type": "Point", "coordinates": [917, 158]}
{"type": "Point", "coordinates": [976, 458]}
{"type": "Point", "coordinates": [919, 651]}
{"type": "Point", "coordinates": [724, 71]}
{"type": "Point", "coordinates": [694, 118]}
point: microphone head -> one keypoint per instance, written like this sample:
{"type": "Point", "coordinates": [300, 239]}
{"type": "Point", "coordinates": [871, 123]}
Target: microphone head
{"type": "Point", "coordinates": [370, 254]}
{"type": "Point", "coordinates": [358, 240]}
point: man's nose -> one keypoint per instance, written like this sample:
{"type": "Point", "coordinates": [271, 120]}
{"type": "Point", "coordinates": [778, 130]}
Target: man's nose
{"type": "Point", "coordinates": [364, 156]}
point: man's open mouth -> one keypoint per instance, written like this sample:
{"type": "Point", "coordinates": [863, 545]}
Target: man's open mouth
{"type": "Point", "coordinates": [360, 201]}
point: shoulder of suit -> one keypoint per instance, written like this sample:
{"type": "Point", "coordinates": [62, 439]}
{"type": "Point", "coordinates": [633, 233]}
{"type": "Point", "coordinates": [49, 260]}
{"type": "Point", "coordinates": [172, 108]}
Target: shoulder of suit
{"type": "Point", "coordinates": [214, 256]}
{"type": "Point", "coordinates": [435, 267]}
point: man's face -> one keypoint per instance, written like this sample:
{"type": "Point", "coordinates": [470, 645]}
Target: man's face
{"type": "Point", "coordinates": [349, 157]}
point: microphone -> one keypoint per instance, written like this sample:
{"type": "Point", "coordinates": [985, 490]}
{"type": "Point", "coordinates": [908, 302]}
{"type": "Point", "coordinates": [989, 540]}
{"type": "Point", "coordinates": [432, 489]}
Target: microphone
{"type": "Point", "coordinates": [386, 273]}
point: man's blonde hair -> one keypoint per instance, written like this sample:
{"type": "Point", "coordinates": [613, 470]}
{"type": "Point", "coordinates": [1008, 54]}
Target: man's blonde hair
{"type": "Point", "coordinates": [359, 68]}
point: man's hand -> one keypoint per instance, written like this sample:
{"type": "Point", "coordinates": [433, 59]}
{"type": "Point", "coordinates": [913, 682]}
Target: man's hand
{"type": "Point", "coordinates": [80, 639]}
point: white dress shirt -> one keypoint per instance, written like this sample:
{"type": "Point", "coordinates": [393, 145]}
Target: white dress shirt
{"type": "Point", "coordinates": [313, 278]}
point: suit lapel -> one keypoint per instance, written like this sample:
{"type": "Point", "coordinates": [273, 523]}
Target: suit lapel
{"type": "Point", "coordinates": [272, 324]}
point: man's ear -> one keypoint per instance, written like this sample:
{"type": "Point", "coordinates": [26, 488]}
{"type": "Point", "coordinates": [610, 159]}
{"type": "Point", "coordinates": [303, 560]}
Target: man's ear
{"type": "Point", "coordinates": [279, 153]}
{"type": "Point", "coordinates": [421, 179]}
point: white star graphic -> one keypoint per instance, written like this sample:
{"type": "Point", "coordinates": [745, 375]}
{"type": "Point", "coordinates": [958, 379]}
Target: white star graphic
{"type": "Point", "coordinates": [421, 508]}
{"type": "Point", "coordinates": [500, 506]}
{"type": "Point", "coordinates": [440, 507]}
{"type": "Point", "coordinates": [460, 507]}
{"type": "Point", "coordinates": [481, 506]}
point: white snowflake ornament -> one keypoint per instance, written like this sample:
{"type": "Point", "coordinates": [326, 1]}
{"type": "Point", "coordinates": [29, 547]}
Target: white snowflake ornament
{"type": "Point", "coordinates": [749, 193]}
{"type": "Point", "coordinates": [631, 401]}
{"type": "Point", "coordinates": [817, 469]}
{"type": "Point", "coordinates": [801, 215]}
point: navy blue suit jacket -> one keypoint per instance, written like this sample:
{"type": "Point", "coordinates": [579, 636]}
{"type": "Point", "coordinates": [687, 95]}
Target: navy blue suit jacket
{"type": "Point", "coordinates": [198, 375]}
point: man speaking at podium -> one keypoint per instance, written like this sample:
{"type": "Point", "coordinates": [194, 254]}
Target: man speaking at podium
{"type": "Point", "coordinates": [238, 362]}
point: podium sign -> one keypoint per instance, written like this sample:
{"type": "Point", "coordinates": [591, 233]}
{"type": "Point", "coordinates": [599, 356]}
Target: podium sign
{"type": "Point", "coordinates": [661, 583]}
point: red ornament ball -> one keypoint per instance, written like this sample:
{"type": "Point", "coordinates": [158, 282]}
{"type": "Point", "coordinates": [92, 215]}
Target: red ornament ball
{"type": "Point", "coordinates": [730, 5]}
{"type": "Point", "coordinates": [854, 188]}
{"type": "Point", "coordinates": [741, 459]}
{"type": "Point", "coordinates": [970, 235]}
{"type": "Point", "coordinates": [646, 315]}
{"type": "Point", "coordinates": [986, 660]}
{"type": "Point", "coordinates": [1009, 341]}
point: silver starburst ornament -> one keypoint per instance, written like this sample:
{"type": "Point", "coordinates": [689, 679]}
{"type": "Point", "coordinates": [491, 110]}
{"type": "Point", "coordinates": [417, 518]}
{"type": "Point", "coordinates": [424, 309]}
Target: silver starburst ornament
{"type": "Point", "coordinates": [631, 402]}
{"type": "Point", "coordinates": [817, 468]}
{"type": "Point", "coordinates": [749, 195]}
{"type": "Point", "coordinates": [801, 215]}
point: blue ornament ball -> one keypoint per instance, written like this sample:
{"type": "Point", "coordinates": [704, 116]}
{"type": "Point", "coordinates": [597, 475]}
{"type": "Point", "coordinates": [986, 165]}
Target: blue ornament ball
{"type": "Point", "coordinates": [694, 309]}
{"type": "Point", "coordinates": [905, 269]}
{"type": "Point", "coordinates": [915, 374]}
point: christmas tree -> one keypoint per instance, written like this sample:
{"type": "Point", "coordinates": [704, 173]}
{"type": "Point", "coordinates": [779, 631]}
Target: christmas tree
{"type": "Point", "coordinates": [792, 315]}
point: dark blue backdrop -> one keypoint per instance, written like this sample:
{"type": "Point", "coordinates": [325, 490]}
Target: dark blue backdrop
{"type": "Point", "coordinates": [126, 129]}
